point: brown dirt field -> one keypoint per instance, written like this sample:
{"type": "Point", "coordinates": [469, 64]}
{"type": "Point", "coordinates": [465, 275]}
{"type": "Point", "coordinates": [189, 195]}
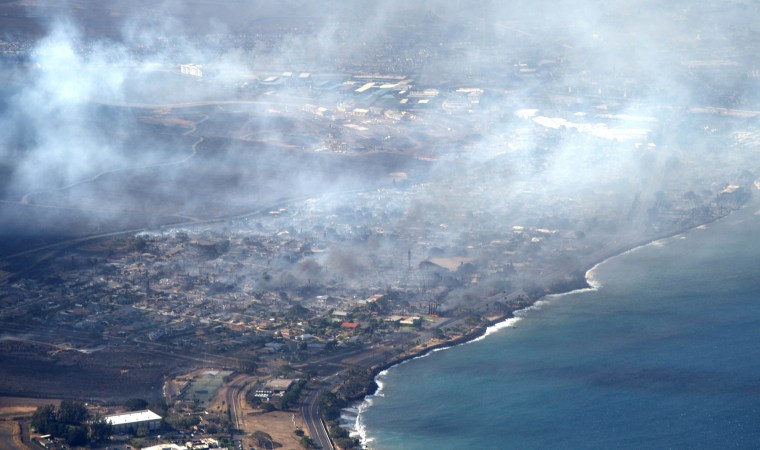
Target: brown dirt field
{"type": "Point", "coordinates": [10, 437]}
{"type": "Point", "coordinates": [279, 425]}
{"type": "Point", "coordinates": [20, 406]}
{"type": "Point", "coordinates": [14, 407]}
{"type": "Point", "coordinates": [8, 413]}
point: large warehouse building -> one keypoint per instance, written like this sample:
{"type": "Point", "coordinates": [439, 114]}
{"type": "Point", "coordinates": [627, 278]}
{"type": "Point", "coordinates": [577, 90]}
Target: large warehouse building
{"type": "Point", "coordinates": [130, 422]}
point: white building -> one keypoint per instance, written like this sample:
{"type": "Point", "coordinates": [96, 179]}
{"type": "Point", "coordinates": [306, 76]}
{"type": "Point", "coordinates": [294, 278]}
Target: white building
{"type": "Point", "coordinates": [165, 447]}
{"type": "Point", "coordinates": [131, 421]}
{"type": "Point", "coordinates": [277, 386]}
{"type": "Point", "coordinates": [191, 69]}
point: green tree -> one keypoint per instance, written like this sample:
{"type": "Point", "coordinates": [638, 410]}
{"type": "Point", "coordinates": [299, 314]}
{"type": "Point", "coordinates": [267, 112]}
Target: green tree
{"type": "Point", "coordinates": [251, 398]}
{"type": "Point", "coordinates": [42, 418]}
{"type": "Point", "coordinates": [330, 406]}
{"type": "Point", "coordinates": [293, 394]}
{"type": "Point", "coordinates": [179, 422]}
{"type": "Point", "coordinates": [66, 421]}
{"type": "Point", "coordinates": [356, 384]}
{"type": "Point", "coordinates": [262, 439]}
{"type": "Point", "coordinates": [100, 430]}
{"type": "Point", "coordinates": [342, 439]}
{"type": "Point", "coordinates": [76, 435]}
{"type": "Point", "coordinates": [346, 442]}
{"type": "Point", "coordinates": [72, 412]}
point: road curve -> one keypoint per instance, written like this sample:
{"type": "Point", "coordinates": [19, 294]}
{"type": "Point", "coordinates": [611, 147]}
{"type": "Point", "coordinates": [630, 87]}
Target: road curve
{"type": "Point", "coordinates": [234, 391]}
{"type": "Point", "coordinates": [314, 424]}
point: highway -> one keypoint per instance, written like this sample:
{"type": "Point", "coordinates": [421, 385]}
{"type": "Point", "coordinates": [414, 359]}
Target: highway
{"type": "Point", "coordinates": [309, 410]}
{"type": "Point", "coordinates": [314, 425]}
{"type": "Point", "coordinates": [310, 406]}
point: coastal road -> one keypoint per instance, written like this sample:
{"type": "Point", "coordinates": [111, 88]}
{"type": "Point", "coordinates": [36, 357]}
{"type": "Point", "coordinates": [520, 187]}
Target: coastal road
{"type": "Point", "coordinates": [314, 425]}
{"type": "Point", "coordinates": [310, 406]}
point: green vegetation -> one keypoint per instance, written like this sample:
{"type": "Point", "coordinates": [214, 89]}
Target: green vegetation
{"type": "Point", "coordinates": [290, 398]}
{"type": "Point", "coordinates": [177, 421]}
{"type": "Point", "coordinates": [262, 439]}
{"type": "Point", "coordinates": [203, 388]}
{"type": "Point", "coordinates": [306, 442]}
{"type": "Point", "coordinates": [341, 438]}
{"type": "Point", "coordinates": [100, 430]}
{"type": "Point", "coordinates": [68, 421]}
{"type": "Point", "coordinates": [250, 397]}
{"type": "Point", "coordinates": [293, 395]}
{"type": "Point", "coordinates": [358, 382]}
{"type": "Point", "coordinates": [330, 408]}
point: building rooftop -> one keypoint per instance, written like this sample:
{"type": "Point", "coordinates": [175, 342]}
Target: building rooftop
{"type": "Point", "coordinates": [279, 384]}
{"type": "Point", "coordinates": [166, 447]}
{"type": "Point", "coordinates": [132, 417]}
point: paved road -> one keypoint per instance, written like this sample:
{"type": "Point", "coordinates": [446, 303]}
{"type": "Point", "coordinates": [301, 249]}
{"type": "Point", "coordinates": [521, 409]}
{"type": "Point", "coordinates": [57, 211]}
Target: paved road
{"type": "Point", "coordinates": [232, 397]}
{"type": "Point", "coordinates": [14, 438]}
{"type": "Point", "coordinates": [234, 391]}
{"type": "Point", "coordinates": [310, 406]}
{"type": "Point", "coordinates": [310, 414]}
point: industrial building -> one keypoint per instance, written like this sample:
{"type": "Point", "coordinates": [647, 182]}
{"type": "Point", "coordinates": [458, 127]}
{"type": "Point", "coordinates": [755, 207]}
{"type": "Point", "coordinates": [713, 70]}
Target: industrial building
{"type": "Point", "coordinates": [277, 386]}
{"type": "Point", "coordinates": [198, 444]}
{"type": "Point", "coordinates": [131, 421]}
{"type": "Point", "coordinates": [165, 447]}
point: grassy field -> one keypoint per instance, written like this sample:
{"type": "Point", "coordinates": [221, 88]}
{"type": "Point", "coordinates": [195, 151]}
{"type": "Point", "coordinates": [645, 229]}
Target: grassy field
{"type": "Point", "coordinates": [204, 387]}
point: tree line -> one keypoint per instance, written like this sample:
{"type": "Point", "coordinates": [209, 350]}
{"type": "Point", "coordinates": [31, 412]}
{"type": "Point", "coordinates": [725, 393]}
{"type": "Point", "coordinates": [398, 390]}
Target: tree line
{"type": "Point", "coordinates": [70, 421]}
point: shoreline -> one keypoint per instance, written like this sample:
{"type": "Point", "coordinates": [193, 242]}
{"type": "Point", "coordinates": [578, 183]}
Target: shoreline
{"type": "Point", "coordinates": [480, 332]}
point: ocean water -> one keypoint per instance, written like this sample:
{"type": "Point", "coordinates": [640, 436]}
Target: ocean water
{"type": "Point", "coordinates": [665, 353]}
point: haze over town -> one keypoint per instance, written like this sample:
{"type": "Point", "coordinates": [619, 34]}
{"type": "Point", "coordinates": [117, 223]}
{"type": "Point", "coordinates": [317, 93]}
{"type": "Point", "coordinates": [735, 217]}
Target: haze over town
{"type": "Point", "coordinates": [314, 191]}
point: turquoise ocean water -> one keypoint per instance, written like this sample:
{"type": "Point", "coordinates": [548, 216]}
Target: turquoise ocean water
{"type": "Point", "coordinates": [664, 354]}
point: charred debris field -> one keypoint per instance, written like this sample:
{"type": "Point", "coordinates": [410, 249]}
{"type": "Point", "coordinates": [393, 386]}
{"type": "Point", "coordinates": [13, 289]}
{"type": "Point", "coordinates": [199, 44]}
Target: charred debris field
{"type": "Point", "coordinates": [314, 193]}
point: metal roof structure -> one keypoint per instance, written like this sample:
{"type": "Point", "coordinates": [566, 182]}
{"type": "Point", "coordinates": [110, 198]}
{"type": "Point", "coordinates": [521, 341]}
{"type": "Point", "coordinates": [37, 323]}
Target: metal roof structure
{"type": "Point", "coordinates": [132, 417]}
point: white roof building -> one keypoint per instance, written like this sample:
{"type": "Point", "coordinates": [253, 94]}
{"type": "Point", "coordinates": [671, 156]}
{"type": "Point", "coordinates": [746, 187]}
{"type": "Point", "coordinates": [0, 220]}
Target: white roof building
{"type": "Point", "coordinates": [165, 447]}
{"type": "Point", "coordinates": [131, 421]}
{"type": "Point", "coordinates": [191, 69]}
